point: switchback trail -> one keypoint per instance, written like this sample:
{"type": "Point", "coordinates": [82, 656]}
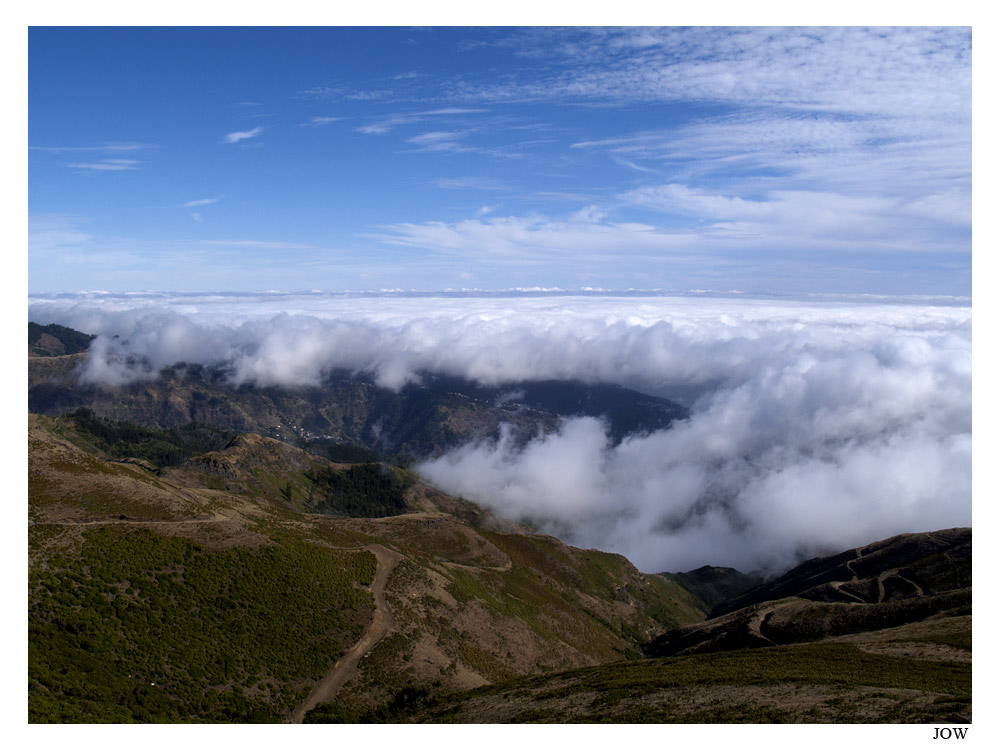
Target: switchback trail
{"type": "Point", "coordinates": [337, 676]}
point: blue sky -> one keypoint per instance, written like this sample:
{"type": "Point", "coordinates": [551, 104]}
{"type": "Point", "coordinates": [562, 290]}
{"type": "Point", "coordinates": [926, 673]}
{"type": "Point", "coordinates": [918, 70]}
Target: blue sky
{"type": "Point", "coordinates": [779, 160]}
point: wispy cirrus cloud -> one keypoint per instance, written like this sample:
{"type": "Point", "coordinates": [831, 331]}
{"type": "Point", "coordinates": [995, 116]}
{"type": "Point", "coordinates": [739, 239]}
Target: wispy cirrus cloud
{"type": "Point", "coordinates": [107, 165]}
{"type": "Point", "coordinates": [318, 122]}
{"type": "Point", "coordinates": [889, 71]}
{"type": "Point", "coordinates": [878, 114]}
{"type": "Point", "coordinates": [202, 202]}
{"type": "Point", "coordinates": [536, 238]}
{"type": "Point", "coordinates": [469, 183]}
{"type": "Point", "coordinates": [853, 154]}
{"type": "Point", "coordinates": [385, 124]}
{"type": "Point", "coordinates": [106, 148]}
{"type": "Point", "coordinates": [111, 151]}
{"type": "Point", "coordinates": [260, 244]}
{"type": "Point", "coordinates": [800, 219]}
{"type": "Point", "coordinates": [440, 140]}
{"type": "Point", "coordinates": [243, 135]}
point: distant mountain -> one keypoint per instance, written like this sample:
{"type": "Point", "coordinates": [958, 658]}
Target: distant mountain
{"type": "Point", "coordinates": [55, 340]}
{"type": "Point", "coordinates": [894, 582]}
{"type": "Point", "coordinates": [626, 411]}
{"type": "Point", "coordinates": [713, 585]}
{"type": "Point", "coordinates": [903, 567]}
{"type": "Point", "coordinates": [419, 420]}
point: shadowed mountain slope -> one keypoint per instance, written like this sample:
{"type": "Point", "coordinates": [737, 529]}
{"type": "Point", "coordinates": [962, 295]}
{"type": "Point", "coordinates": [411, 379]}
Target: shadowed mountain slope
{"type": "Point", "coordinates": [905, 579]}
{"type": "Point", "coordinates": [55, 340]}
{"type": "Point", "coordinates": [713, 585]}
{"type": "Point", "coordinates": [419, 419]}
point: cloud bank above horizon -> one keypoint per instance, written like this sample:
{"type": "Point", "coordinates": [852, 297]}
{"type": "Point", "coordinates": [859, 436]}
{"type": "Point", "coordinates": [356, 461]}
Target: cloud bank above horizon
{"type": "Point", "coordinates": [819, 425]}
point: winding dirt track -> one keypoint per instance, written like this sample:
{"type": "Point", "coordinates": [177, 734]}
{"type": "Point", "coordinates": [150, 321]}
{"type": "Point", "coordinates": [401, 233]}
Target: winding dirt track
{"type": "Point", "coordinates": [382, 622]}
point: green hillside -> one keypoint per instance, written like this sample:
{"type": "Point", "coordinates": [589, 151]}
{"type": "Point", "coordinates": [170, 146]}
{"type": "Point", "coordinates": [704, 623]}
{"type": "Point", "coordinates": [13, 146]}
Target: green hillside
{"type": "Point", "coordinates": [203, 591]}
{"type": "Point", "coordinates": [136, 626]}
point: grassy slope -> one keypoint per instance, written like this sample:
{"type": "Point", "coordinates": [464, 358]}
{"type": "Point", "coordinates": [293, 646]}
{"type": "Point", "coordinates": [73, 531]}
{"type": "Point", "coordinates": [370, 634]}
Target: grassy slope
{"type": "Point", "coordinates": [233, 605]}
{"type": "Point", "coordinates": [475, 606]}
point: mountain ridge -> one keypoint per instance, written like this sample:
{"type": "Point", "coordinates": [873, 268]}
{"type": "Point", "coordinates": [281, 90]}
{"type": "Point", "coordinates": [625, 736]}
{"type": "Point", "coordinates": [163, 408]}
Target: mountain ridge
{"type": "Point", "coordinates": [420, 420]}
{"type": "Point", "coordinates": [889, 583]}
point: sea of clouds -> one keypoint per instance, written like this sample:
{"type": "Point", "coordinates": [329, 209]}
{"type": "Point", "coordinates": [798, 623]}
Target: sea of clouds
{"type": "Point", "coordinates": [816, 423]}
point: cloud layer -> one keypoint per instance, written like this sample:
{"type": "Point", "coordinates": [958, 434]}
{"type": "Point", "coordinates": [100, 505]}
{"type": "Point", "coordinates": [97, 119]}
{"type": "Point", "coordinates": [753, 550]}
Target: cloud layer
{"type": "Point", "coordinates": [815, 424]}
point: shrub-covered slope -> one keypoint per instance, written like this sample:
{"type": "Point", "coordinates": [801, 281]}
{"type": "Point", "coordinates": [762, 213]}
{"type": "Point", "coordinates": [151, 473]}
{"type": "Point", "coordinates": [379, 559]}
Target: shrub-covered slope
{"type": "Point", "coordinates": [208, 591]}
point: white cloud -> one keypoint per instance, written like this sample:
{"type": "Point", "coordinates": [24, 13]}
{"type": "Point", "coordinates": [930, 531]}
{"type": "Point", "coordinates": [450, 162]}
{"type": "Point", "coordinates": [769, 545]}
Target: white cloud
{"type": "Point", "coordinates": [590, 215]}
{"type": "Point", "coordinates": [107, 148]}
{"type": "Point", "coordinates": [108, 165]}
{"type": "Point", "coordinates": [260, 244]}
{"type": "Point", "coordinates": [440, 140]}
{"type": "Point", "coordinates": [242, 135]}
{"type": "Point", "coordinates": [713, 225]}
{"type": "Point", "coordinates": [469, 183]}
{"type": "Point", "coordinates": [452, 111]}
{"type": "Point", "coordinates": [201, 202]}
{"type": "Point", "coordinates": [799, 219]}
{"type": "Point", "coordinates": [536, 238]}
{"type": "Point", "coordinates": [903, 157]}
{"type": "Point", "coordinates": [385, 124]}
{"type": "Point", "coordinates": [887, 71]}
{"type": "Point", "coordinates": [320, 121]}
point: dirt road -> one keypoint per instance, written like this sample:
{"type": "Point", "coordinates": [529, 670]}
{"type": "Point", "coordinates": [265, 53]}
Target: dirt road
{"type": "Point", "coordinates": [337, 676]}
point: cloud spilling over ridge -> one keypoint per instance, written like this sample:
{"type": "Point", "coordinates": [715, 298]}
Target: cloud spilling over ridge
{"type": "Point", "coordinates": [821, 425]}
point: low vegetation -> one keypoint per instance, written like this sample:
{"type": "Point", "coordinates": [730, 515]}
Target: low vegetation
{"type": "Point", "coordinates": [809, 682]}
{"type": "Point", "coordinates": [158, 447]}
{"type": "Point", "coordinates": [341, 452]}
{"type": "Point", "coordinates": [368, 490]}
{"type": "Point", "coordinates": [137, 627]}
